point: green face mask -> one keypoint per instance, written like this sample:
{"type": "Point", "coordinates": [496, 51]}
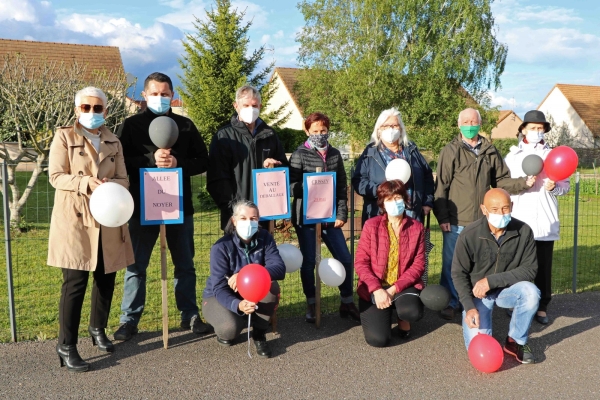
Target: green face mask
{"type": "Point", "coordinates": [469, 131]}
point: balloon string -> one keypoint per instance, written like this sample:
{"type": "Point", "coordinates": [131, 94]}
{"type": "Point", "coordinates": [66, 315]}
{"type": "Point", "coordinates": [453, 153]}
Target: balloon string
{"type": "Point", "coordinates": [249, 355]}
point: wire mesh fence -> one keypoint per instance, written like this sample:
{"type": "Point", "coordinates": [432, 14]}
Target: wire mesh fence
{"type": "Point", "coordinates": [37, 286]}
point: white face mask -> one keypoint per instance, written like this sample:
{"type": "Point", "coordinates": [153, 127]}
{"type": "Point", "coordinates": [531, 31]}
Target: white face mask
{"type": "Point", "coordinates": [534, 137]}
{"type": "Point", "coordinates": [249, 114]}
{"type": "Point", "coordinates": [390, 135]}
{"type": "Point", "coordinates": [246, 228]}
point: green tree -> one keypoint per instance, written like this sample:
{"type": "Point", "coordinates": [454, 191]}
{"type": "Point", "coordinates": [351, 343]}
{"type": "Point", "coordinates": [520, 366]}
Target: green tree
{"type": "Point", "coordinates": [428, 58]}
{"type": "Point", "coordinates": [215, 64]}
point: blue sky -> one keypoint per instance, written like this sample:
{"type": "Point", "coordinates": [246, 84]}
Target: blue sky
{"type": "Point", "coordinates": [549, 41]}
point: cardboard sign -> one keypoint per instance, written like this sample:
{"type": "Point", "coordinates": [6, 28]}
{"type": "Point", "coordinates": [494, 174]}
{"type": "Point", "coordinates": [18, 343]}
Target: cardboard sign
{"type": "Point", "coordinates": [272, 193]}
{"type": "Point", "coordinates": [161, 196]}
{"type": "Point", "coordinates": [319, 203]}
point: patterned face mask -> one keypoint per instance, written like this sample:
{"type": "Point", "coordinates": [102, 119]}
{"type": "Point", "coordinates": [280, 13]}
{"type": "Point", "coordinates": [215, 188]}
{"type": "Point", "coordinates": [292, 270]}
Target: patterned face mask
{"type": "Point", "coordinates": [319, 141]}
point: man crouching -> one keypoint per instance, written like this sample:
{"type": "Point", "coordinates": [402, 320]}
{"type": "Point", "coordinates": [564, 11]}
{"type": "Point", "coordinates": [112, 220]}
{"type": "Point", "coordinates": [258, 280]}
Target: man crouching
{"type": "Point", "coordinates": [494, 262]}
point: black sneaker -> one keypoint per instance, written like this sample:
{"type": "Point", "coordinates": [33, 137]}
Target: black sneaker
{"type": "Point", "coordinates": [198, 326]}
{"type": "Point", "coordinates": [125, 331]}
{"type": "Point", "coordinates": [522, 353]}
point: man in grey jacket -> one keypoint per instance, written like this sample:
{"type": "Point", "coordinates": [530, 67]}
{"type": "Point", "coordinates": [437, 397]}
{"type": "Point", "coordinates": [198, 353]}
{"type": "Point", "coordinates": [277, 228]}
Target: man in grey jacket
{"type": "Point", "coordinates": [467, 168]}
{"type": "Point", "coordinates": [494, 262]}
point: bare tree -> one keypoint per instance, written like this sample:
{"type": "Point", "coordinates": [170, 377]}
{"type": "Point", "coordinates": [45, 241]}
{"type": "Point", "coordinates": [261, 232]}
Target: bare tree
{"type": "Point", "coordinates": [37, 97]}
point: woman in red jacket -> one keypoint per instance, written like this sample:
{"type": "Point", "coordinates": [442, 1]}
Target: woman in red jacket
{"type": "Point", "coordinates": [390, 261]}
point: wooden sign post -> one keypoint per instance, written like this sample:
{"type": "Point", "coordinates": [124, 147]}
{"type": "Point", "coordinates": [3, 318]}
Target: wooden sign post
{"type": "Point", "coordinates": [162, 203]}
{"type": "Point", "coordinates": [271, 189]}
{"type": "Point", "coordinates": [319, 206]}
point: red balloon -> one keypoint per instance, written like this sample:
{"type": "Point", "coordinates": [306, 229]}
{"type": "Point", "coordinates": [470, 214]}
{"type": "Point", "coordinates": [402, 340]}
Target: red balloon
{"type": "Point", "coordinates": [560, 163]}
{"type": "Point", "coordinates": [485, 353]}
{"type": "Point", "coordinates": [253, 282]}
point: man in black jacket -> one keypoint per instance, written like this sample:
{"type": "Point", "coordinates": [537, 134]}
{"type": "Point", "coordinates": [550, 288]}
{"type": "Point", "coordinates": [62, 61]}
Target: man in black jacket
{"type": "Point", "coordinates": [243, 144]}
{"type": "Point", "coordinates": [494, 262]}
{"type": "Point", "coordinates": [188, 153]}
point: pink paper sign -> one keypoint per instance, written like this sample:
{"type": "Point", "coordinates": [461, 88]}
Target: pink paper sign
{"type": "Point", "coordinates": [272, 193]}
{"type": "Point", "coordinates": [320, 197]}
{"type": "Point", "coordinates": [161, 194]}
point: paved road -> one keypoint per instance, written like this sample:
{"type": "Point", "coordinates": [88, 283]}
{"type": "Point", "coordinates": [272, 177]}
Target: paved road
{"type": "Point", "coordinates": [333, 362]}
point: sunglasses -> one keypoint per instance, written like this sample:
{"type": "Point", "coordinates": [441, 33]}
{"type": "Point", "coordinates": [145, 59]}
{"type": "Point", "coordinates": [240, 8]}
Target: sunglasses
{"type": "Point", "coordinates": [98, 108]}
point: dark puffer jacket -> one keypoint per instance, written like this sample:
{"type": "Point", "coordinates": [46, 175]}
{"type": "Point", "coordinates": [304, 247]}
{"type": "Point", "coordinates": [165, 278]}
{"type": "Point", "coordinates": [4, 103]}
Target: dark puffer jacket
{"type": "Point", "coordinates": [370, 173]}
{"type": "Point", "coordinates": [305, 160]}
{"type": "Point", "coordinates": [233, 154]}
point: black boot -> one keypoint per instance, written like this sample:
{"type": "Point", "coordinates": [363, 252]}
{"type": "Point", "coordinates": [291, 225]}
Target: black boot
{"type": "Point", "coordinates": [260, 341]}
{"type": "Point", "coordinates": [68, 355]}
{"type": "Point", "coordinates": [349, 310]}
{"type": "Point", "coordinates": [99, 338]}
{"type": "Point", "coordinates": [311, 314]}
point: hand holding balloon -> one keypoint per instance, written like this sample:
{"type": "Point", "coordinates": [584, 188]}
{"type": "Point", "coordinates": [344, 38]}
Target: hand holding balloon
{"type": "Point", "coordinates": [247, 307]}
{"type": "Point", "coordinates": [164, 159]}
{"type": "Point", "coordinates": [549, 185]}
{"type": "Point", "coordinates": [530, 180]}
{"type": "Point", "coordinates": [93, 183]}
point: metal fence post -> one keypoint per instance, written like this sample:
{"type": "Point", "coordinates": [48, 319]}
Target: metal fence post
{"type": "Point", "coordinates": [352, 219]}
{"type": "Point", "coordinates": [575, 228]}
{"type": "Point", "coordinates": [9, 280]}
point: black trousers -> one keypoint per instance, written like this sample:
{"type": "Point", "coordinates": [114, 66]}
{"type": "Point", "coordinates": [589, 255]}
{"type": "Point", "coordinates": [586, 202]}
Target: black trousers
{"type": "Point", "coordinates": [228, 325]}
{"type": "Point", "coordinates": [73, 293]}
{"type": "Point", "coordinates": [543, 279]}
{"type": "Point", "coordinates": [377, 324]}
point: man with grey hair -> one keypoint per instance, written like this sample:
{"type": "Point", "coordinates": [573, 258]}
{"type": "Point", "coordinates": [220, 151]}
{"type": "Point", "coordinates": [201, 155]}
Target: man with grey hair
{"type": "Point", "coordinates": [467, 168]}
{"type": "Point", "coordinates": [245, 143]}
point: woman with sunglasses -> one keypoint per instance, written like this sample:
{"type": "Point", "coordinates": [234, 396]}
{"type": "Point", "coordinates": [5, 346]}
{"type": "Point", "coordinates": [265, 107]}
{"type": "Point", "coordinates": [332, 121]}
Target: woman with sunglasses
{"type": "Point", "coordinates": [83, 157]}
{"type": "Point", "coordinates": [389, 141]}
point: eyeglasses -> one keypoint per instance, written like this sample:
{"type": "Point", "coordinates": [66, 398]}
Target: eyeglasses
{"type": "Point", "coordinates": [395, 126]}
{"type": "Point", "coordinates": [98, 108]}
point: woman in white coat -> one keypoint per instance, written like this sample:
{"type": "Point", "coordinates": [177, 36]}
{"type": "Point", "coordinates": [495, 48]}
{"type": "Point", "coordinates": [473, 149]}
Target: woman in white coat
{"type": "Point", "coordinates": [537, 206]}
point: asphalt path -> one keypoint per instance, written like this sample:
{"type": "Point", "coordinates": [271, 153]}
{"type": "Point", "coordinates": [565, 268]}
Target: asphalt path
{"type": "Point", "coordinates": [333, 362]}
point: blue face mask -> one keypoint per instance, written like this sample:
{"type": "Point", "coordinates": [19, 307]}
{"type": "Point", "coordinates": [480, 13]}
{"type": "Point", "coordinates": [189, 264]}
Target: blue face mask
{"type": "Point", "coordinates": [246, 228]}
{"type": "Point", "coordinates": [91, 120]}
{"type": "Point", "coordinates": [499, 221]}
{"type": "Point", "coordinates": [158, 104]}
{"type": "Point", "coordinates": [394, 208]}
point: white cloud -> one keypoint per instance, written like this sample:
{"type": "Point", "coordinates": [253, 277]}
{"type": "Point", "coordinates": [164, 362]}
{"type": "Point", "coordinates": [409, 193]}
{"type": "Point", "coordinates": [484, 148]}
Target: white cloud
{"type": "Point", "coordinates": [545, 35]}
{"type": "Point", "coordinates": [506, 103]}
{"type": "Point", "coordinates": [548, 46]}
{"type": "Point", "coordinates": [279, 35]}
{"type": "Point", "coordinates": [26, 11]}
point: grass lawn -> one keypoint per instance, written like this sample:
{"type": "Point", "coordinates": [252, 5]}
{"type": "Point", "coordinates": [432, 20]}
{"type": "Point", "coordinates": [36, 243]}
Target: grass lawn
{"type": "Point", "coordinates": [37, 286]}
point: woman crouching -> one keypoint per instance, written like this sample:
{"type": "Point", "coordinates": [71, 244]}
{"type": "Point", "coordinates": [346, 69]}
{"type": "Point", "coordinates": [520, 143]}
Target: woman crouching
{"type": "Point", "coordinates": [223, 307]}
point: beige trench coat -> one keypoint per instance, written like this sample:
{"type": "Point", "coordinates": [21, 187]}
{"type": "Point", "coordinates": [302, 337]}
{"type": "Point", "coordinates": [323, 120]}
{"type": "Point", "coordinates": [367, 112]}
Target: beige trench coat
{"type": "Point", "coordinates": [74, 232]}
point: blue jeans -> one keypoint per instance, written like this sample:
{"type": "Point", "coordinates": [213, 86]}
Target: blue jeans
{"type": "Point", "coordinates": [522, 297]}
{"type": "Point", "coordinates": [450, 239]}
{"type": "Point", "coordinates": [336, 243]}
{"type": "Point", "coordinates": [180, 240]}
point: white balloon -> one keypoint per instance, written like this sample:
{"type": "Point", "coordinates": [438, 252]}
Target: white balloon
{"type": "Point", "coordinates": [398, 169]}
{"type": "Point", "coordinates": [111, 204]}
{"type": "Point", "coordinates": [291, 256]}
{"type": "Point", "coordinates": [332, 272]}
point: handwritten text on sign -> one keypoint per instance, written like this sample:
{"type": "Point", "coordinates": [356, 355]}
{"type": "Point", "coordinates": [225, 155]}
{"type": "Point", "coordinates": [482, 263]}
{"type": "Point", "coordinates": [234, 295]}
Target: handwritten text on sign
{"type": "Point", "coordinates": [161, 195]}
{"type": "Point", "coordinates": [321, 195]}
{"type": "Point", "coordinates": [272, 193]}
